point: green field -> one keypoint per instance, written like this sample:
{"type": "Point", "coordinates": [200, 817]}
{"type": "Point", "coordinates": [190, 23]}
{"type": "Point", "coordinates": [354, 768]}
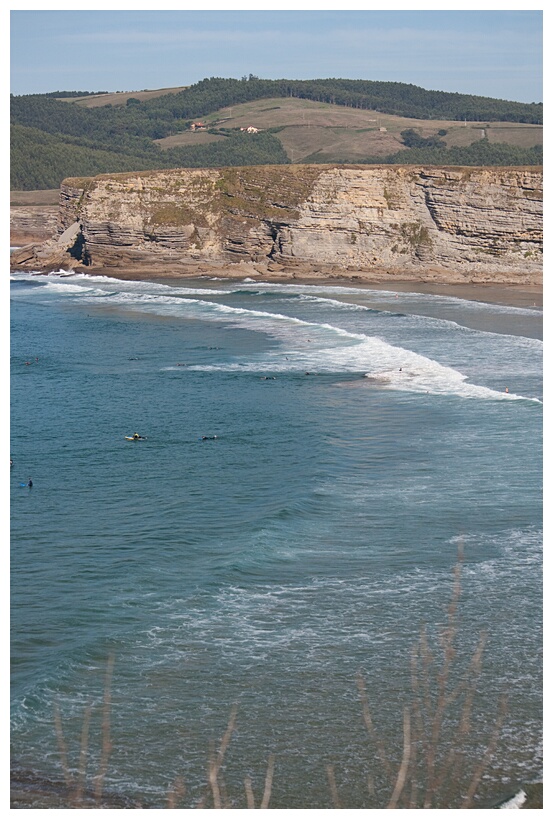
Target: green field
{"type": "Point", "coordinates": [335, 133]}
{"type": "Point", "coordinates": [331, 121]}
{"type": "Point", "coordinates": [120, 97]}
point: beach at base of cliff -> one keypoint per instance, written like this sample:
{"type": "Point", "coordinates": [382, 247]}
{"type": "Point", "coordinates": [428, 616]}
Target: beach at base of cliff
{"type": "Point", "coordinates": [492, 292]}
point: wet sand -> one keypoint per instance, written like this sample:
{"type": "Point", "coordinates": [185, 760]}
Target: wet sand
{"type": "Point", "coordinates": [514, 295]}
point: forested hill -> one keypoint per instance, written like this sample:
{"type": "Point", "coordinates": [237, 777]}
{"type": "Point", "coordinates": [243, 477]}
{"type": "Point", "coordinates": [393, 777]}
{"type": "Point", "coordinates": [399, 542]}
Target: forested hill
{"type": "Point", "coordinates": [212, 94]}
{"type": "Point", "coordinates": [64, 130]}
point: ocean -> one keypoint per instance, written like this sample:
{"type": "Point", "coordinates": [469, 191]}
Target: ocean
{"type": "Point", "coordinates": [316, 461]}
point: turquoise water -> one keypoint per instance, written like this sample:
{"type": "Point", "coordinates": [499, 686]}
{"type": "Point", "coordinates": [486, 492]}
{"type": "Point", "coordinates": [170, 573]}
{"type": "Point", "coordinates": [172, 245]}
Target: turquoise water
{"type": "Point", "coordinates": [362, 437]}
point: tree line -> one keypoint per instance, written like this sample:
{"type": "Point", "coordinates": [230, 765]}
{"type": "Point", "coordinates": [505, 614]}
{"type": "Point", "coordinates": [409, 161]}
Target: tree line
{"type": "Point", "coordinates": [40, 161]}
{"type": "Point", "coordinates": [52, 139]}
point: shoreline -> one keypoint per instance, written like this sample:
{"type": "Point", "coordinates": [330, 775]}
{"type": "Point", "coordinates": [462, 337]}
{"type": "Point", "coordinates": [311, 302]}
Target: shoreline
{"type": "Point", "coordinates": [508, 294]}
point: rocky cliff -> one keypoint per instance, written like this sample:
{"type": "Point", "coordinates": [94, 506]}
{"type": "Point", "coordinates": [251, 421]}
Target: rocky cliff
{"type": "Point", "coordinates": [447, 223]}
{"type": "Point", "coordinates": [32, 223]}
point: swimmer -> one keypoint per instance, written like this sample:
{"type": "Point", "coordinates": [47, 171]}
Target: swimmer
{"type": "Point", "coordinates": [208, 437]}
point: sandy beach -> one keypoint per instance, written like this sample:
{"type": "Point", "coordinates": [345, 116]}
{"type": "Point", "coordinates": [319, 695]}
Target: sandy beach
{"type": "Point", "coordinates": [514, 295]}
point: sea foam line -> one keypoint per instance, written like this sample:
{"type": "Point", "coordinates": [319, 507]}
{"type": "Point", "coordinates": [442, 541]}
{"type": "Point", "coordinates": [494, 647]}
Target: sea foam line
{"type": "Point", "coordinates": [386, 365]}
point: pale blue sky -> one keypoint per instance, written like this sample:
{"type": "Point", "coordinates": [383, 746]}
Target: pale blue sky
{"type": "Point", "coordinates": [489, 53]}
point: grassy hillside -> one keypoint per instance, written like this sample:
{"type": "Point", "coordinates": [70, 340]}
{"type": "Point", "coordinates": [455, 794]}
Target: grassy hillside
{"type": "Point", "coordinates": [121, 97]}
{"type": "Point", "coordinates": [340, 134]}
{"type": "Point", "coordinates": [41, 161]}
{"type": "Point", "coordinates": [319, 121]}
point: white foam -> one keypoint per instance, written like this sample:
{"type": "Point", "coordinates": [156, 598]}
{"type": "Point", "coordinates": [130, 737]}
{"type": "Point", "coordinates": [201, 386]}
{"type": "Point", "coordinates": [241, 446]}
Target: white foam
{"type": "Point", "coordinates": [385, 295]}
{"type": "Point", "coordinates": [306, 346]}
{"type": "Point", "coordinates": [114, 284]}
{"type": "Point", "coordinates": [516, 802]}
{"type": "Point", "coordinates": [345, 305]}
{"type": "Point", "coordinates": [65, 287]}
{"type": "Point", "coordinates": [390, 366]}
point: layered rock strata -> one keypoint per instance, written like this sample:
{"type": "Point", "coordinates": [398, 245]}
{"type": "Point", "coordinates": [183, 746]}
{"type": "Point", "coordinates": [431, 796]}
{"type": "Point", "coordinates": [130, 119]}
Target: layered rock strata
{"type": "Point", "coordinates": [449, 223]}
{"type": "Point", "coordinates": [33, 223]}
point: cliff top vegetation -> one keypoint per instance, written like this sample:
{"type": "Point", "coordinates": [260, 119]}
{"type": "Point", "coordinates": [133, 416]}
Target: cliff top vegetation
{"type": "Point", "coordinates": [316, 121]}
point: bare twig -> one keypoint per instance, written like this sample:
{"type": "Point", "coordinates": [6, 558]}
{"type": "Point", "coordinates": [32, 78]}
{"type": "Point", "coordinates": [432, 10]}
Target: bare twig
{"type": "Point", "coordinates": [448, 649]}
{"type": "Point", "coordinates": [83, 755]}
{"type": "Point", "coordinates": [370, 785]}
{"type": "Point", "coordinates": [332, 784]}
{"type": "Point", "coordinates": [62, 747]}
{"type": "Point", "coordinates": [469, 798]}
{"type": "Point", "coordinates": [268, 781]}
{"type": "Point", "coordinates": [177, 792]}
{"type": "Point", "coordinates": [214, 784]}
{"type": "Point", "coordinates": [436, 689]}
{"type": "Point", "coordinates": [106, 738]}
{"type": "Point", "coordinates": [216, 762]}
{"type": "Point", "coordinates": [370, 727]}
{"type": "Point", "coordinates": [452, 768]}
{"type": "Point", "coordinates": [402, 773]}
{"type": "Point", "coordinates": [250, 801]}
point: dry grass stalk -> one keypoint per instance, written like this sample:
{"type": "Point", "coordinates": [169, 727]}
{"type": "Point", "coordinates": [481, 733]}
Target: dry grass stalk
{"type": "Point", "coordinates": [83, 757]}
{"type": "Point", "coordinates": [62, 747]}
{"type": "Point", "coordinates": [176, 793]}
{"type": "Point", "coordinates": [370, 785]}
{"type": "Point", "coordinates": [492, 745]}
{"type": "Point", "coordinates": [442, 701]}
{"type": "Point", "coordinates": [213, 782]}
{"type": "Point", "coordinates": [370, 726]}
{"type": "Point", "coordinates": [402, 773]}
{"type": "Point", "coordinates": [76, 790]}
{"type": "Point", "coordinates": [250, 801]}
{"type": "Point", "coordinates": [434, 694]}
{"type": "Point", "coordinates": [268, 782]}
{"type": "Point", "coordinates": [106, 738]}
{"type": "Point", "coordinates": [332, 783]}
{"type": "Point", "coordinates": [451, 770]}
{"type": "Point", "coordinates": [215, 762]}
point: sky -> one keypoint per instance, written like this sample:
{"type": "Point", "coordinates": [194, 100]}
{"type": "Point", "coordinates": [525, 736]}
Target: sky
{"type": "Point", "coordinates": [495, 53]}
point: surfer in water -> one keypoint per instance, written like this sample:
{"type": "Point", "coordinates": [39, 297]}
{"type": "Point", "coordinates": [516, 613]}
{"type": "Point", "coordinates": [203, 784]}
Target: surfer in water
{"type": "Point", "coordinates": [30, 483]}
{"type": "Point", "coordinates": [208, 437]}
{"type": "Point", "coordinates": [137, 437]}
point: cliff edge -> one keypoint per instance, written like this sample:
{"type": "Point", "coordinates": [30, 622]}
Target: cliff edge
{"type": "Point", "coordinates": [387, 222]}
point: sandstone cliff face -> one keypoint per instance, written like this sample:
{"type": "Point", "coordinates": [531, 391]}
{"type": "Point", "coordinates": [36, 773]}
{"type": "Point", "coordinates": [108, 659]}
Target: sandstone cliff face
{"type": "Point", "coordinates": [32, 223]}
{"type": "Point", "coordinates": [463, 224]}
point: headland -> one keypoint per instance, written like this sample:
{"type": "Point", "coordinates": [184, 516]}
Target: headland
{"type": "Point", "coordinates": [384, 225]}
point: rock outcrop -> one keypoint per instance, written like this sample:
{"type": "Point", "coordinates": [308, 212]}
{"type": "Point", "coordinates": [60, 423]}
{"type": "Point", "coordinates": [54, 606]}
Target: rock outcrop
{"type": "Point", "coordinates": [410, 222]}
{"type": "Point", "coordinates": [33, 223]}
